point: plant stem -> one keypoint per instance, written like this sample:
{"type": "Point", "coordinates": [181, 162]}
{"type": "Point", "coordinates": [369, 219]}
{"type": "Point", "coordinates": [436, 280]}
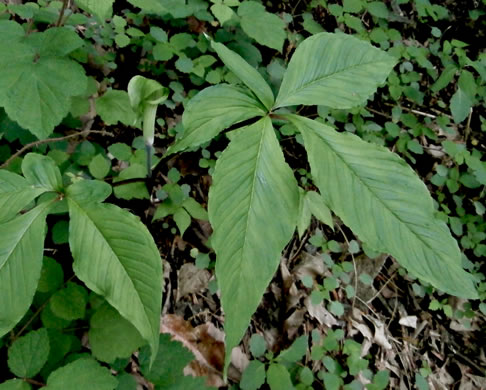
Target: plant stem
{"type": "Point", "coordinates": [148, 149]}
{"type": "Point", "coordinates": [149, 123]}
{"type": "Point", "coordinates": [49, 140]}
{"type": "Point", "coordinates": [148, 133]}
{"type": "Point", "coordinates": [61, 14]}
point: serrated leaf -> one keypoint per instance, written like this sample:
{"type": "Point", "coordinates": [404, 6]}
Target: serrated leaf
{"type": "Point", "coordinates": [334, 70]}
{"type": "Point", "coordinates": [11, 31]}
{"type": "Point", "coordinates": [114, 106]}
{"type": "Point", "coordinates": [21, 251]}
{"type": "Point", "coordinates": [55, 41]}
{"type": "Point", "coordinates": [382, 200]}
{"type": "Point", "coordinates": [36, 91]}
{"type": "Point", "coordinates": [15, 194]}
{"type": "Point", "coordinates": [52, 275]}
{"type": "Point", "coordinates": [99, 166]}
{"type": "Point", "coordinates": [182, 220]}
{"type": "Point", "coordinates": [122, 263]}
{"type": "Point", "coordinates": [296, 351]}
{"type": "Point", "coordinates": [111, 336]}
{"type": "Point", "coordinates": [213, 110]}
{"type": "Point", "coordinates": [28, 354]}
{"type": "Point", "coordinates": [254, 376]}
{"type": "Point", "coordinates": [150, 6]}
{"type": "Point", "coordinates": [265, 28]}
{"type": "Point", "coordinates": [15, 384]}
{"type": "Point", "coordinates": [195, 209]}
{"type": "Point", "coordinates": [81, 374]}
{"type": "Point", "coordinates": [246, 73]}
{"type": "Point", "coordinates": [278, 377]}
{"type": "Point", "coordinates": [100, 8]}
{"type": "Point", "coordinates": [460, 105]}
{"type": "Point", "coordinates": [132, 190]}
{"type": "Point", "coordinates": [41, 171]}
{"type": "Point", "coordinates": [167, 368]}
{"type": "Point", "coordinates": [252, 184]}
{"type": "Point", "coordinates": [70, 302]}
{"type": "Point", "coordinates": [88, 191]}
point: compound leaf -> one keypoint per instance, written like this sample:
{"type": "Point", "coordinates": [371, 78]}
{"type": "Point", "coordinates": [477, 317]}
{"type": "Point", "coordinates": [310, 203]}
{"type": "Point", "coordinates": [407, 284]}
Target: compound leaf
{"type": "Point", "coordinates": [37, 81]}
{"type": "Point", "coordinates": [121, 263]}
{"type": "Point", "coordinates": [252, 184]}
{"type": "Point", "coordinates": [28, 354]}
{"type": "Point", "coordinates": [334, 70]}
{"type": "Point", "coordinates": [213, 110]}
{"type": "Point", "coordinates": [15, 194]}
{"type": "Point", "coordinates": [21, 249]}
{"type": "Point", "coordinates": [382, 200]}
{"type": "Point", "coordinates": [246, 73]}
{"type": "Point", "coordinates": [82, 374]}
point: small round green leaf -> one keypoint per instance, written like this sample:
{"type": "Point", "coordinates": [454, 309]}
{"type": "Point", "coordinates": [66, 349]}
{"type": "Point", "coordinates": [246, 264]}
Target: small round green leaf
{"type": "Point", "coordinates": [28, 354]}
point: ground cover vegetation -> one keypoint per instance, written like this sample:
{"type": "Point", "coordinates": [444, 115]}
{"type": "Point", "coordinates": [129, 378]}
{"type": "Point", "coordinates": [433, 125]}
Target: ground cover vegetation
{"type": "Point", "coordinates": [242, 194]}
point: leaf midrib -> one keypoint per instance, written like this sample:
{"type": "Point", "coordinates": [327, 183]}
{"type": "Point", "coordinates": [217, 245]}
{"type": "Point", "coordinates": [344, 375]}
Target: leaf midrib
{"type": "Point", "coordinates": [373, 192]}
{"type": "Point", "coordinates": [320, 79]}
{"type": "Point", "coordinates": [147, 317]}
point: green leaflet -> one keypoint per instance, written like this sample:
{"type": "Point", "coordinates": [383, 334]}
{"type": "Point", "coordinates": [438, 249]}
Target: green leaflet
{"type": "Point", "coordinates": [89, 191]}
{"type": "Point", "coordinates": [246, 73]}
{"type": "Point", "coordinates": [15, 194]}
{"type": "Point", "coordinates": [82, 374]}
{"type": "Point", "coordinates": [41, 171]}
{"type": "Point", "coordinates": [114, 106]}
{"type": "Point", "coordinates": [21, 250]}
{"type": "Point", "coordinates": [28, 354]}
{"type": "Point", "coordinates": [253, 206]}
{"type": "Point", "coordinates": [334, 70]}
{"type": "Point", "coordinates": [278, 377]}
{"type": "Point", "coordinates": [121, 263]}
{"type": "Point", "coordinates": [37, 81]}
{"type": "Point", "coordinates": [213, 110]}
{"type": "Point", "coordinates": [381, 199]}
{"type": "Point", "coordinates": [102, 9]}
{"type": "Point", "coordinates": [265, 28]}
{"type": "Point", "coordinates": [111, 336]}
{"type": "Point", "coordinates": [15, 384]}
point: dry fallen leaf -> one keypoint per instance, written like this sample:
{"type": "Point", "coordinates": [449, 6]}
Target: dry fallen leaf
{"type": "Point", "coordinates": [191, 280]}
{"type": "Point", "coordinates": [204, 341]}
